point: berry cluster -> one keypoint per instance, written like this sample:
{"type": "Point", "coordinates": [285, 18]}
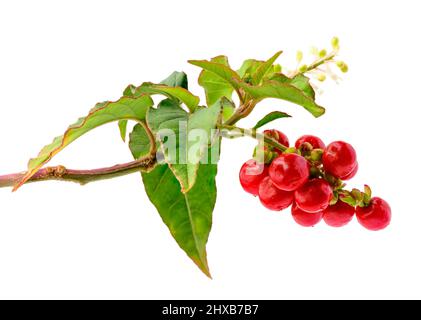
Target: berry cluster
{"type": "Point", "coordinates": [309, 176]}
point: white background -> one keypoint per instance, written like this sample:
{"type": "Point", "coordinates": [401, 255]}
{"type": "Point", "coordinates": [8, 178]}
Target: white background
{"type": "Point", "coordinates": [105, 240]}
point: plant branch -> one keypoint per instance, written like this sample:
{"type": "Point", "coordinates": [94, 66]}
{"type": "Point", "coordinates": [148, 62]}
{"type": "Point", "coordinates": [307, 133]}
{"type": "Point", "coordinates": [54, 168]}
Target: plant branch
{"type": "Point", "coordinates": [150, 137]}
{"type": "Point", "coordinates": [316, 63]}
{"type": "Point", "coordinates": [255, 135]}
{"type": "Point", "coordinates": [243, 111]}
{"type": "Point", "coordinates": [82, 177]}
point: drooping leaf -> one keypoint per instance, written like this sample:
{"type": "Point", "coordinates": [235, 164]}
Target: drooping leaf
{"type": "Point", "coordinates": [263, 68]}
{"type": "Point", "coordinates": [300, 81]}
{"type": "Point", "coordinates": [303, 83]}
{"type": "Point", "coordinates": [284, 91]}
{"type": "Point", "coordinates": [122, 126]}
{"type": "Point", "coordinates": [175, 93]}
{"type": "Point", "coordinates": [176, 79]}
{"type": "Point", "coordinates": [219, 69]}
{"type": "Point", "coordinates": [183, 138]}
{"type": "Point", "coordinates": [124, 108]}
{"type": "Point", "coordinates": [188, 215]}
{"type": "Point", "coordinates": [140, 142]}
{"type": "Point", "coordinates": [271, 117]}
{"type": "Point", "coordinates": [215, 86]}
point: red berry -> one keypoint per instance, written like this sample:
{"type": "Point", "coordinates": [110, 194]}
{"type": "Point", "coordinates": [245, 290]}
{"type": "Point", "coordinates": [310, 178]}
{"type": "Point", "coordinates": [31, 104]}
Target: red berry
{"type": "Point", "coordinates": [278, 136]}
{"type": "Point", "coordinates": [351, 174]}
{"type": "Point", "coordinates": [251, 174]}
{"type": "Point", "coordinates": [305, 219]}
{"type": "Point", "coordinates": [339, 159]}
{"type": "Point", "coordinates": [376, 216]}
{"type": "Point", "coordinates": [315, 142]}
{"type": "Point", "coordinates": [272, 197]}
{"type": "Point", "coordinates": [289, 171]}
{"type": "Point", "coordinates": [314, 195]}
{"type": "Point", "coordinates": [338, 214]}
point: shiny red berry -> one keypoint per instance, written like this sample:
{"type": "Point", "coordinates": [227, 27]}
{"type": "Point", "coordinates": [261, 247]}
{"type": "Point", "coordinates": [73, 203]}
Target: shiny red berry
{"type": "Point", "coordinates": [272, 197]}
{"type": "Point", "coordinates": [315, 142]}
{"type": "Point", "coordinates": [351, 174]}
{"type": "Point", "coordinates": [339, 159]}
{"type": "Point", "coordinates": [289, 171]}
{"type": "Point", "coordinates": [314, 195]}
{"type": "Point", "coordinates": [278, 136]}
{"type": "Point", "coordinates": [339, 214]}
{"type": "Point", "coordinates": [305, 219]}
{"type": "Point", "coordinates": [376, 216]}
{"type": "Point", "coordinates": [251, 174]}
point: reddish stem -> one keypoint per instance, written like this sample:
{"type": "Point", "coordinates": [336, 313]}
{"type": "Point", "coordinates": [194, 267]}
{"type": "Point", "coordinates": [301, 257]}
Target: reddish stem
{"type": "Point", "coordinates": [81, 176]}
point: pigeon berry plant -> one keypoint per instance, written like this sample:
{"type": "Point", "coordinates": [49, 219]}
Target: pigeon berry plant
{"type": "Point", "coordinates": [176, 140]}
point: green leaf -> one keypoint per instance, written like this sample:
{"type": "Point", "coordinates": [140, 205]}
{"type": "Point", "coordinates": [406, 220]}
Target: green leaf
{"type": "Point", "coordinates": [122, 126]}
{"type": "Point", "coordinates": [187, 136]}
{"type": "Point", "coordinates": [215, 86]}
{"type": "Point", "coordinates": [284, 91]}
{"type": "Point", "coordinates": [249, 67]}
{"type": "Point", "coordinates": [140, 142]}
{"type": "Point", "coordinates": [176, 79]}
{"type": "Point", "coordinates": [228, 108]}
{"type": "Point", "coordinates": [264, 68]}
{"type": "Point", "coordinates": [188, 215]}
{"type": "Point", "coordinates": [129, 91]}
{"type": "Point", "coordinates": [124, 108]}
{"type": "Point", "coordinates": [175, 93]}
{"type": "Point", "coordinates": [300, 81]}
{"type": "Point", "coordinates": [219, 69]}
{"type": "Point", "coordinates": [270, 117]}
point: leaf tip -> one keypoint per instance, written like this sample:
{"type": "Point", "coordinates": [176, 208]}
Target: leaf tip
{"type": "Point", "coordinates": [203, 266]}
{"type": "Point", "coordinates": [321, 111]}
{"type": "Point", "coordinates": [277, 54]}
{"type": "Point", "coordinates": [194, 62]}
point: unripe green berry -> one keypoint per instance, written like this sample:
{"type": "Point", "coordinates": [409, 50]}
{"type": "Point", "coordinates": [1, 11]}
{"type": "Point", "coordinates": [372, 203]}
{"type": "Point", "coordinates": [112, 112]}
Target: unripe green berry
{"type": "Point", "coordinates": [316, 155]}
{"type": "Point", "coordinates": [340, 64]}
{"type": "Point", "coordinates": [303, 68]}
{"type": "Point", "coordinates": [299, 56]}
{"type": "Point", "coordinates": [277, 68]}
{"type": "Point", "coordinates": [268, 154]}
{"type": "Point", "coordinates": [344, 69]}
{"type": "Point", "coordinates": [322, 53]}
{"type": "Point", "coordinates": [335, 43]}
{"type": "Point", "coordinates": [321, 77]}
